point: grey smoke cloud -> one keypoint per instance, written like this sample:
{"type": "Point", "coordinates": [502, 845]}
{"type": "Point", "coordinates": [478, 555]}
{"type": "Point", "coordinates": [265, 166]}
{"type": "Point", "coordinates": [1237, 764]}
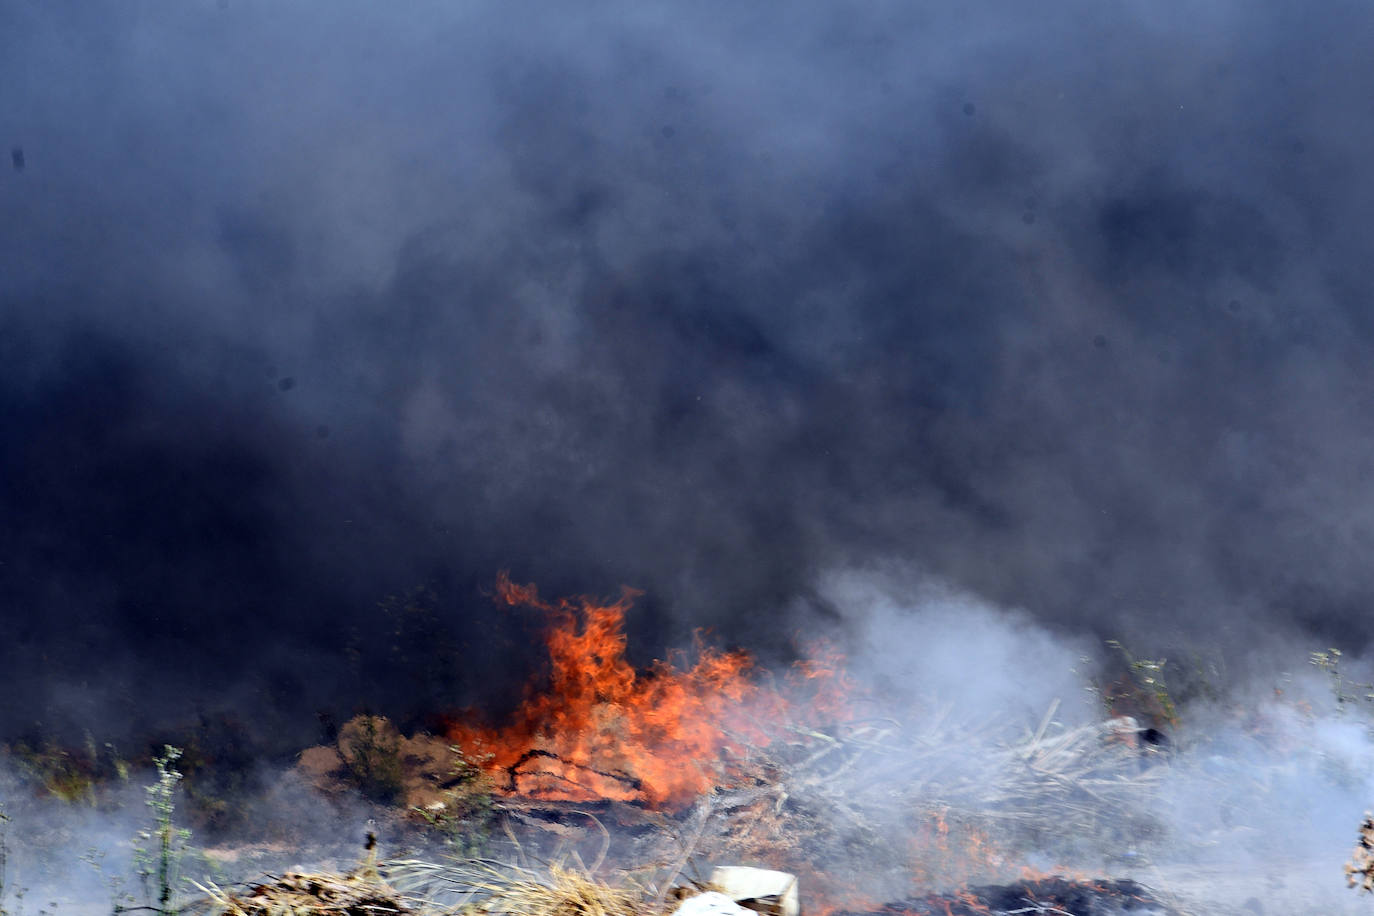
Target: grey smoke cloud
{"type": "Point", "coordinates": [927, 651]}
{"type": "Point", "coordinates": [303, 306]}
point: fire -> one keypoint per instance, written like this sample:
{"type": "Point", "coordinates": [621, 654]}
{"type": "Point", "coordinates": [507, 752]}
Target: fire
{"type": "Point", "coordinates": [945, 852]}
{"type": "Point", "coordinates": [604, 730]}
{"type": "Point", "coordinates": [828, 895]}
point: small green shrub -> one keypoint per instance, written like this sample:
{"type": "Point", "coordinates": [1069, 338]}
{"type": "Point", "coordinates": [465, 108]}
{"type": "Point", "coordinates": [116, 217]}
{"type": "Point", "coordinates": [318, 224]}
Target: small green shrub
{"type": "Point", "coordinates": [1147, 688]}
{"type": "Point", "coordinates": [73, 775]}
{"type": "Point", "coordinates": [371, 753]}
{"type": "Point", "coordinates": [160, 849]}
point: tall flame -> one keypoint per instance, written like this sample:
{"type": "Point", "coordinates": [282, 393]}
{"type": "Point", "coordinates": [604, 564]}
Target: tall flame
{"type": "Point", "coordinates": [603, 730]}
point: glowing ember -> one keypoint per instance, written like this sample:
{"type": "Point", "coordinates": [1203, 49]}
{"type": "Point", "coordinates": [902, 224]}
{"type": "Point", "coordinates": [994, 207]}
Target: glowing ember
{"type": "Point", "coordinates": [604, 730]}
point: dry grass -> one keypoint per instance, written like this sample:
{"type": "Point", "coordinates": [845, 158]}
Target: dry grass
{"type": "Point", "coordinates": [484, 888]}
{"type": "Point", "coordinates": [565, 893]}
{"type": "Point", "coordinates": [466, 887]}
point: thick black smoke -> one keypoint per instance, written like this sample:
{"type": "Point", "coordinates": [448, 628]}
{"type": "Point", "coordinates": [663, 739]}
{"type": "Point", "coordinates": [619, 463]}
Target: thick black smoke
{"type": "Point", "coordinates": [306, 305]}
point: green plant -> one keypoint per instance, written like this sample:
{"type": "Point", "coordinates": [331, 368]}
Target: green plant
{"type": "Point", "coordinates": [63, 773]}
{"type": "Point", "coordinates": [370, 748]}
{"type": "Point", "coordinates": [1148, 677]}
{"type": "Point", "coordinates": [160, 849]}
{"type": "Point", "coordinates": [72, 774]}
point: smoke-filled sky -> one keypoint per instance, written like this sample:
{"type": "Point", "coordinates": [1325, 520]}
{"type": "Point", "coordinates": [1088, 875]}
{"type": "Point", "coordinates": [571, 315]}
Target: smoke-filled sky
{"type": "Point", "coordinates": [316, 316]}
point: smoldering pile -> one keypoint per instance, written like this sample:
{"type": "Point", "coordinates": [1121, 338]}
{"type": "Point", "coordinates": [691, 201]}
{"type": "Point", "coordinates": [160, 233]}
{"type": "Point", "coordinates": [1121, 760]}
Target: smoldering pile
{"type": "Point", "coordinates": [818, 802]}
{"type": "Point", "coordinates": [1050, 895]}
{"type": "Point", "coordinates": [831, 802]}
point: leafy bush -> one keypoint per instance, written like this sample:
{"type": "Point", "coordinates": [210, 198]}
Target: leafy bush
{"type": "Point", "coordinates": [370, 748]}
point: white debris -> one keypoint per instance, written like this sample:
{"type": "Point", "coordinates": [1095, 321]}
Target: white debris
{"type": "Point", "coordinates": [710, 904]}
{"type": "Point", "coordinates": [773, 893]}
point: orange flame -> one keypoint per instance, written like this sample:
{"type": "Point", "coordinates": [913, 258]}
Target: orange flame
{"type": "Point", "coordinates": [946, 853]}
{"type": "Point", "coordinates": [603, 730]}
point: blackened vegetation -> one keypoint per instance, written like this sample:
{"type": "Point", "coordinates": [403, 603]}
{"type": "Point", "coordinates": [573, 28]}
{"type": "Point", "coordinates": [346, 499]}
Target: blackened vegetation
{"type": "Point", "coordinates": [514, 771]}
{"type": "Point", "coordinates": [220, 765]}
{"type": "Point", "coordinates": [1054, 894]}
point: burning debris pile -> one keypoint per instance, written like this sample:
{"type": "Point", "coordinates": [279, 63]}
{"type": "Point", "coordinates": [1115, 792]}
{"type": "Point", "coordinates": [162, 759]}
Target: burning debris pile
{"type": "Point", "coordinates": [707, 760]}
{"type": "Point", "coordinates": [603, 730]}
